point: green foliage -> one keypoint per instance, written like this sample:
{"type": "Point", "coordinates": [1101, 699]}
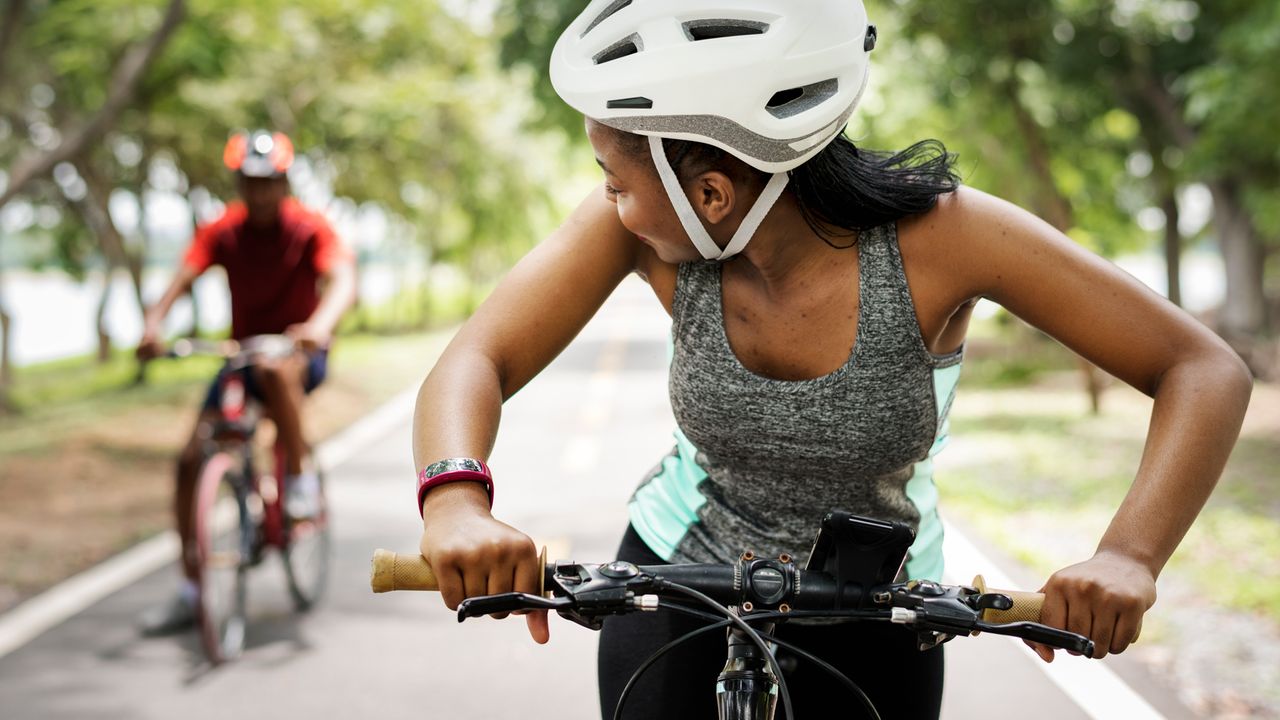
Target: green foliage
{"type": "Point", "coordinates": [529, 29]}
{"type": "Point", "coordinates": [397, 106]}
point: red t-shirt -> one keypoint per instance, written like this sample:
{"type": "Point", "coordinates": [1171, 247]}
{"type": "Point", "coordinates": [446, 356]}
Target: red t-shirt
{"type": "Point", "coordinates": [273, 273]}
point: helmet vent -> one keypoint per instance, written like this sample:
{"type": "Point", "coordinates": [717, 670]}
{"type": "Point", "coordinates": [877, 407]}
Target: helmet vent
{"type": "Point", "coordinates": [787, 103]}
{"type": "Point", "coordinates": [712, 29]}
{"type": "Point", "coordinates": [614, 7]}
{"type": "Point", "coordinates": [629, 45]}
{"type": "Point", "coordinates": [631, 103]}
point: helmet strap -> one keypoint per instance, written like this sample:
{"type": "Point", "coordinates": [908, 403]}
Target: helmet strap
{"type": "Point", "coordinates": [693, 223]}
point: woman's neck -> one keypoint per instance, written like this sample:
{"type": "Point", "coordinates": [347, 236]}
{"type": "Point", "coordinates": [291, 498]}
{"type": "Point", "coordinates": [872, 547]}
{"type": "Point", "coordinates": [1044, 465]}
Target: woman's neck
{"type": "Point", "coordinates": [785, 249]}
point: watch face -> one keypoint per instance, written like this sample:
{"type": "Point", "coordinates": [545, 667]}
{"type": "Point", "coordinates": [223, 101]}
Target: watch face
{"type": "Point", "coordinates": [451, 464]}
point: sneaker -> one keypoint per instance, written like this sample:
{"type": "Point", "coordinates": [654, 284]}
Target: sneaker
{"type": "Point", "coordinates": [175, 616]}
{"type": "Point", "coordinates": [302, 496]}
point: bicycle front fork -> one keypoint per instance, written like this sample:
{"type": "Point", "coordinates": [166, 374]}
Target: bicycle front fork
{"type": "Point", "coordinates": [747, 688]}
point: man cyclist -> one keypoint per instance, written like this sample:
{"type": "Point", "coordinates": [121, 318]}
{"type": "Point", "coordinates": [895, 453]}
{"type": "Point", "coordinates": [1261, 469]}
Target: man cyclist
{"type": "Point", "coordinates": [288, 273]}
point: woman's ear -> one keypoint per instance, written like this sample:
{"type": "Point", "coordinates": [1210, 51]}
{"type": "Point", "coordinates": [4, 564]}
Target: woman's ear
{"type": "Point", "coordinates": [713, 196]}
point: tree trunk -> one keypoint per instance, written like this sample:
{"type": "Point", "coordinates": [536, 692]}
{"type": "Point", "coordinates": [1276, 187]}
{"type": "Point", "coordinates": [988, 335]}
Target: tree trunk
{"type": "Point", "coordinates": [1054, 207]}
{"type": "Point", "coordinates": [6, 351]}
{"type": "Point", "coordinates": [1244, 309]}
{"type": "Point", "coordinates": [1243, 318]}
{"type": "Point", "coordinates": [13, 11]}
{"type": "Point", "coordinates": [120, 91]}
{"type": "Point", "coordinates": [1172, 246]}
{"type": "Point", "coordinates": [97, 214]}
{"type": "Point", "coordinates": [6, 363]}
{"type": "Point", "coordinates": [100, 321]}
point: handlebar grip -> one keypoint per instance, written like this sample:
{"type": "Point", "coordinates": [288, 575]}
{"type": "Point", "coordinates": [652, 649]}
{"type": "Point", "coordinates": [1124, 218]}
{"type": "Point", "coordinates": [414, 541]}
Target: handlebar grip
{"type": "Point", "coordinates": [392, 571]}
{"type": "Point", "coordinates": [1026, 605]}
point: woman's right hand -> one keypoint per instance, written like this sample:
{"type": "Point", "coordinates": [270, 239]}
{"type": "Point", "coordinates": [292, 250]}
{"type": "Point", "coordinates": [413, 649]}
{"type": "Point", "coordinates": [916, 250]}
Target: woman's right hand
{"type": "Point", "coordinates": [473, 554]}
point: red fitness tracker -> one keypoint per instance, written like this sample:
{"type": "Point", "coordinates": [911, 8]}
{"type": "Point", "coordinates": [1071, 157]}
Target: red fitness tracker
{"type": "Point", "coordinates": [454, 470]}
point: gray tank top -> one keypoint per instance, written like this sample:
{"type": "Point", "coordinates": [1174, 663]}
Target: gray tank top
{"type": "Point", "coordinates": [759, 461]}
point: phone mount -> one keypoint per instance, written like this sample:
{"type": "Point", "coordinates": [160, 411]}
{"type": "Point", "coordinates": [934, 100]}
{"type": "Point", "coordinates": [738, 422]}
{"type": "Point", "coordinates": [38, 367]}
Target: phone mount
{"type": "Point", "coordinates": [860, 553]}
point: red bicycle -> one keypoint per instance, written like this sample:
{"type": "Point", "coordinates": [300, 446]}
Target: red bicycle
{"type": "Point", "coordinates": [238, 511]}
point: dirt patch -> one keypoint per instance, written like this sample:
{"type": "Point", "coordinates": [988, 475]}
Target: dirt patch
{"type": "Point", "coordinates": [62, 512]}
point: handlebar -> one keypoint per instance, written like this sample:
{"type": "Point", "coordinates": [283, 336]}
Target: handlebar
{"type": "Point", "coordinates": [238, 353]}
{"type": "Point", "coordinates": [586, 593]}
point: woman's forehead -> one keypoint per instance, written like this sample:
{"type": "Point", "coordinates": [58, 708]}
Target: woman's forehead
{"type": "Point", "coordinates": [616, 151]}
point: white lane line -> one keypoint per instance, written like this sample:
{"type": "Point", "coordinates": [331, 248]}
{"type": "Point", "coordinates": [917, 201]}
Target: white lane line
{"type": "Point", "coordinates": [32, 618]}
{"type": "Point", "coordinates": [372, 427]}
{"type": "Point", "coordinates": [1094, 687]}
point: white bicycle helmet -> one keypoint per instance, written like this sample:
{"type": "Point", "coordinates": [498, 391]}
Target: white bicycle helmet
{"type": "Point", "coordinates": [770, 81]}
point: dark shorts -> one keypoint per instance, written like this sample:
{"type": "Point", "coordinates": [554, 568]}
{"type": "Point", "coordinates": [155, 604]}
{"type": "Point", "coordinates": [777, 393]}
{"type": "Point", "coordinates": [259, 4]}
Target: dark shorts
{"type": "Point", "coordinates": [317, 368]}
{"type": "Point", "coordinates": [882, 659]}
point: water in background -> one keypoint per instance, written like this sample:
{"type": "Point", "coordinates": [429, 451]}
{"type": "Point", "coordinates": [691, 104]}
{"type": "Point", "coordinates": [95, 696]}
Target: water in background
{"type": "Point", "coordinates": [54, 315]}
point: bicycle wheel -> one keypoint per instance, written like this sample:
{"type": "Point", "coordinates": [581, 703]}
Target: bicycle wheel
{"type": "Point", "coordinates": [307, 553]}
{"type": "Point", "coordinates": [223, 528]}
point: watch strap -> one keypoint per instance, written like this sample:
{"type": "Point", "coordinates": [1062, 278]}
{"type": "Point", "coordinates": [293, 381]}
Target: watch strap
{"type": "Point", "coordinates": [454, 470]}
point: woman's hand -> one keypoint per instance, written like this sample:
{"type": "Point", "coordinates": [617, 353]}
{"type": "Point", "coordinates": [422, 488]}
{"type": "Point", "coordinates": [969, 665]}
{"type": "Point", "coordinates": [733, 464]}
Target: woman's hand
{"type": "Point", "coordinates": [473, 554]}
{"type": "Point", "coordinates": [1102, 598]}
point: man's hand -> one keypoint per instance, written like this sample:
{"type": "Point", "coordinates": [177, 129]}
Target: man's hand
{"type": "Point", "coordinates": [309, 336]}
{"type": "Point", "coordinates": [150, 346]}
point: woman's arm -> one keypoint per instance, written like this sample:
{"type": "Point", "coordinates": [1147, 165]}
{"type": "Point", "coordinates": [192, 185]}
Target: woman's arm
{"type": "Point", "coordinates": [533, 314]}
{"type": "Point", "coordinates": [1200, 386]}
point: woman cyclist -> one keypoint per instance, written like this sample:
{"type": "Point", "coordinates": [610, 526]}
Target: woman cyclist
{"type": "Point", "coordinates": [819, 296]}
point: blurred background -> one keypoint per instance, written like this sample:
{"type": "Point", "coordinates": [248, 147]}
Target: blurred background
{"type": "Point", "coordinates": [428, 133]}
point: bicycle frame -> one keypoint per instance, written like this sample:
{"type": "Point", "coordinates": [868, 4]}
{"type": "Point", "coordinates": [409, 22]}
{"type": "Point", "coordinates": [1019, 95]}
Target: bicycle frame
{"type": "Point", "coordinates": [233, 431]}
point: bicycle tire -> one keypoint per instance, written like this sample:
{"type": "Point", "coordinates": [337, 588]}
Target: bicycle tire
{"type": "Point", "coordinates": [308, 554]}
{"type": "Point", "coordinates": [223, 531]}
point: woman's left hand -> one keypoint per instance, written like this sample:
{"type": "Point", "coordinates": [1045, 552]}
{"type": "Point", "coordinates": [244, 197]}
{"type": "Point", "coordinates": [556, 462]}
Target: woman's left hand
{"type": "Point", "coordinates": [1102, 598]}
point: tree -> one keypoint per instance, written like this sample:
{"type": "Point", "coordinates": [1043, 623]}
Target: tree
{"type": "Point", "coordinates": [77, 134]}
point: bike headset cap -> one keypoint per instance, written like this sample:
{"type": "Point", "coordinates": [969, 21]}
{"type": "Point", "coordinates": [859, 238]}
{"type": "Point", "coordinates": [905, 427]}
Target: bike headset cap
{"type": "Point", "coordinates": [258, 154]}
{"type": "Point", "coordinates": [770, 82]}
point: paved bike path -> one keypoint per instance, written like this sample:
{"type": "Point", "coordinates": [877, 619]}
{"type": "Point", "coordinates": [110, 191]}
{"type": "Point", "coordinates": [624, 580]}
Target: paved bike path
{"type": "Point", "coordinates": [573, 444]}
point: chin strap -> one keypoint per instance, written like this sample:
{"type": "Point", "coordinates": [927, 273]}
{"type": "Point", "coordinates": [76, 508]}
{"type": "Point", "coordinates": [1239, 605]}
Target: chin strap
{"type": "Point", "coordinates": [693, 224]}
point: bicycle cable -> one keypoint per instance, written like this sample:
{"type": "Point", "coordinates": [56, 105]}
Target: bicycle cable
{"type": "Point", "coordinates": [635, 676]}
{"type": "Point", "coordinates": [717, 623]}
{"type": "Point", "coordinates": [750, 632]}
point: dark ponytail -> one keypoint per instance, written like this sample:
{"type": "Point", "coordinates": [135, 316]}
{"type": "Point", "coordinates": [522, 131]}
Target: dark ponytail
{"type": "Point", "coordinates": [842, 189]}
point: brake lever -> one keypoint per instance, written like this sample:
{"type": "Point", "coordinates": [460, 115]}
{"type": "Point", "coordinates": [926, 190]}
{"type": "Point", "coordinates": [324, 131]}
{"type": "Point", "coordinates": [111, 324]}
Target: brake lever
{"type": "Point", "coordinates": [509, 602]}
{"type": "Point", "coordinates": [1043, 634]}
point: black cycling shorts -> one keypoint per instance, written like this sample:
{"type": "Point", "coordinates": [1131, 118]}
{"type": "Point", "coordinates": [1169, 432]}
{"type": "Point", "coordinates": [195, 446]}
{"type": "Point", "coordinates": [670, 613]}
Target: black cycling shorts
{"type": "Point", "coordinates": [882, 659]}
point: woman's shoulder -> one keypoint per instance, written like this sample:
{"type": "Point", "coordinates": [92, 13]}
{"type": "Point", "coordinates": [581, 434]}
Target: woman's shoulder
{"type": "Point", "coordinates": [962, 227]}
{"type": "Point", "coordinates": [958, 213]}
{"type": "Point", "coordinates": [950, 250]}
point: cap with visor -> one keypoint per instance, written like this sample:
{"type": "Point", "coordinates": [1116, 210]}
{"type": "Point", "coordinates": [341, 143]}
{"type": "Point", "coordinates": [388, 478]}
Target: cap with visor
{"type": "Point", "coordinates": [771, 83]}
